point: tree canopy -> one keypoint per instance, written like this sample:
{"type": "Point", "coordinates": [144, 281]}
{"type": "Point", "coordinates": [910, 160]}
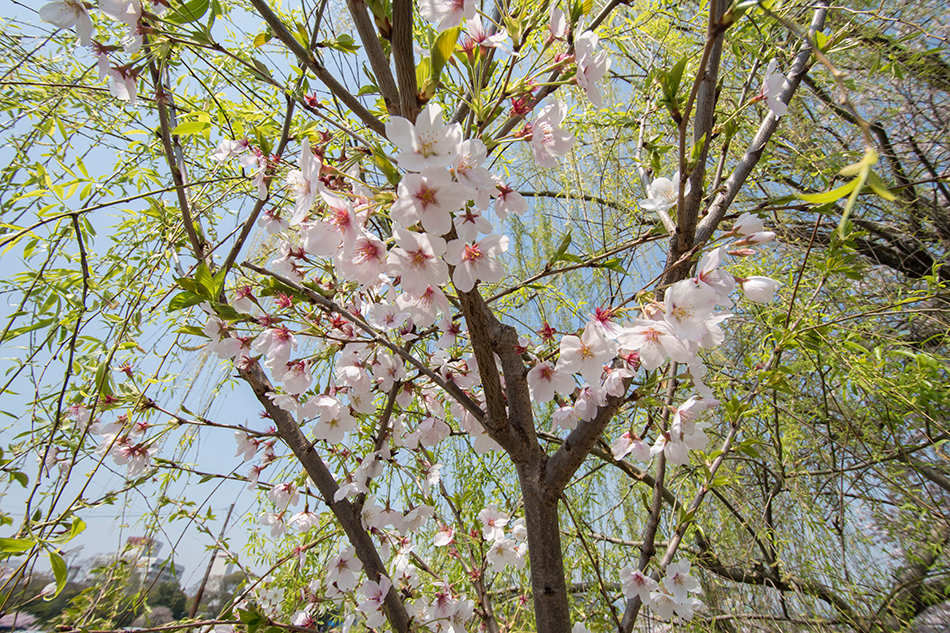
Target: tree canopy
{"type": "Point", "coordinates": [557, 316]}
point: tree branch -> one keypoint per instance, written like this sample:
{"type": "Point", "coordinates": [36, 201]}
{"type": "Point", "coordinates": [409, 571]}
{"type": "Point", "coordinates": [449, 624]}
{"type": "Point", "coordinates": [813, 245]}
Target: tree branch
{"type": "Point", "coordinates": [284, 35]}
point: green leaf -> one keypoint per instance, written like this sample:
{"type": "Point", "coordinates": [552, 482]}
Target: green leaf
{"type": "Point", "coordinates": [20, 478]}
{"type": "Point", "coordinates": [442, 51]}
{"type": "Point", "coordinates": [192, 330]}
{"type": "Point", "coordinates": [828, 196]}
{"type": "Point", "coordinates": [205, 281]}
{"type": "Point", "coordinates": [15, 545]}
{"type": "Point", "coordinates": [187, 12]}
{"type": "Point", "coordinates": [262, 38]}
{"type": "Point", "coordinates": [343, 43]}
{"type": "Point", "coordinates": [562, 247]}
{"type": "Point", "coordinates": [614, 265]}
{"type": "Point", "coordinates": [878, 187]}
{"type": "Point", "coordinates": [183, 300]}
{"type": "Point", "coordinates": [675, 76]}
{"type": "Point", "coordinates": [190, 128]}
{"type": "Point", "coordinates": [385, 165]}
{"type": "Point", "coordinates": [60, 572]}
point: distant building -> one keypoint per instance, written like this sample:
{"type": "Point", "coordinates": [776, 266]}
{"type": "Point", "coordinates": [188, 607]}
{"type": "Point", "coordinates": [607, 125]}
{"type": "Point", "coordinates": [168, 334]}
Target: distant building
{"type": "Point", "coordinates": [221, 568]}
{"type": "Point", "coordinates": [142, 553]}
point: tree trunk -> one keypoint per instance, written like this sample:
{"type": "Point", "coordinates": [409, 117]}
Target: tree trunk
{"type": "Point", "coordinates": [548, 585]}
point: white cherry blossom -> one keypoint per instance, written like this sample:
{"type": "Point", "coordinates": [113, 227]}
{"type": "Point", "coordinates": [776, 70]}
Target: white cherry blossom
{"type": "Point", "coordinates": [664, 194]}
{"type": "Point", "coordinates": [69, 14]}
{"type": "Point", "coordinates": [586, 354]}
{"type": "Point", "coordinates": [446, 14]}
{"type": "Point", "coordinates": [428, 142]}
{"type": "Point", "coordinates": [304, 182]}
{"type": "Point", "coordinates": [759, 289]}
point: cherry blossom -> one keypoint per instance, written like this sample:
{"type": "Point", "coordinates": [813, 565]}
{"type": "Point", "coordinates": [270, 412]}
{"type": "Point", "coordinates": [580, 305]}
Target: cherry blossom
{"type": "Point", "coordinates": [428, 142]}
{"type": "Point", "coordinates": [228, 149]}
{"type": "Point", "coordinates": [275, 522]}
{"type": "Point", "coordinates": [508, 201]}
{"type": "Point", "coordinates": [678, 581]}
{"type": "Point", "coordinates": [276, 344]}
{"type": "Point", "coordinates": [493, 523]}
{"type": "Point", "coordinates": [297, 377]}
{"type": "Point", "coordinates": [284, 495]}
{"type": "Point", "coordinates": [557, 25]}
{"type": "Point", "coordinates": [271, 221]}
{"type": "Point", "coordinates": [385, 316]}
{"type": "Point", "coordinates": [636, 583]}
{"type": "Point", "coordinates": [257, 163]}
{"type": "Point", "coordinates": [630, 444]}
{"type": "Point", "coordinates": [664, 194]}
{"type": "Point", "coordinates": [67, 14]}
{"type": "Point", "coordinates": [343, 569]}
{"type": "Point", "coordinates": [591, 67]}
{"type": "Point", "coordinates": [759, 289]}
{"type": "Point", "coordinates": [417, 258]}
{"type": "Point", "coordinates": [688, 303]}
{"type": "Point", "coordinates": [655, 341]}
{"type": "Point", "coordinates": [547, 140]}
{"type": "Point", "coordinates": [586, 354]}
{"type": "Point", "coordinates": [747, 224]}
{"type": "Point", "coordinates": [429, 197]}
{"type": "Point", "coordinates": [335, 419]}
{"type": "Point", "coordinates": [304, 183]}
{"type": "Point", "coordinates": [506, 551]}
{"type": "Point", "coordinates": [478, 261]}
{"type": "Point", "coordinates": [544, 380]}
{"type": "Point", "coordinates": [246, 445]}
{"type": "Point", "coordinates": [372, 607]}
{"type": "Point", "coordinates": [468, 171]}
{"type": "Point", "coordinates": [444, 536]}
{"type": "Point", "coordinates": [771, 89]}
{"type": "Point", "coordinates": [480, 36]}
{"type": "Point", "coordinates": [447, 13]}
{"type": "Point", "coordinates": [709, 273]}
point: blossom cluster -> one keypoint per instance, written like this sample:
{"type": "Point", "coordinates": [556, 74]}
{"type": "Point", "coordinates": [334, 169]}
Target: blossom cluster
{"type": "Point", "coordinates": [123, 78]}
{"type": "Point", "coordinates": [668, 598]}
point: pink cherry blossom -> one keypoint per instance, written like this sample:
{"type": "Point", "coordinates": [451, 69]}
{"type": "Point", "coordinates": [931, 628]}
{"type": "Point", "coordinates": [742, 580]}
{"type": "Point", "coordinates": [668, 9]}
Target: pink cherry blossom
{"type": "Point", "coordinates": [372, 607]}
{"type": "Point", "coordinates": [493, 523]}
{"type": "Point", "coordinates": [417, 259]}
{"type": "Point", "coordinates": [276, 344]}
{"type": "Point", "coordinates": [591, 66]}
{"type": "Point", "coordinates": [630, 444]}
{"type": "Point", "coordinates": [547, 140]}
{"type": "Point", "coordinates": [636, 583]}
{"type": "Point", "coordinates": [478, 261]}
{"type": "Point", "coordinates": [429, 197]}
{"type": "Point", "coordinates": [545, 379]}
{"type": "Point", "coordinates": [586, 354]}
{"type": "Point", "coordinates": [508, 201]}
